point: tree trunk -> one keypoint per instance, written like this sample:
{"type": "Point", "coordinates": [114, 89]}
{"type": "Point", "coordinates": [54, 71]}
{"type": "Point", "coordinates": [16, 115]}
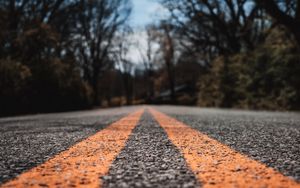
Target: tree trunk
{"type": "Point", "coordinates": [171, 79]}
{"type": "Point", "coordinates": [128, 89]}
{"type": "Point", "coordinates": [95, 88]}
{"type": "Point", "coordinates": [296, 32]}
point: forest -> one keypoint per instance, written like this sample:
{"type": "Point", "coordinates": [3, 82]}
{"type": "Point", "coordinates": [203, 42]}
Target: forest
{"type": "Point", "coordinates": [60, 55]}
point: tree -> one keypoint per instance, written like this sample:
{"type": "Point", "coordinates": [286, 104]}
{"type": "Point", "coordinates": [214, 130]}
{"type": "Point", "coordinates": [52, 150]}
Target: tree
{"type": "Point", "coordinates": [148, 56]}
{"type": "Point", "coordinates": [165, 36]}
{"type": "Point", "coordinates": [65, 44]}
{"type": "Point", "coordinates": [167, 45]}
{"type": "Point", "coordinates": [213, 27]}
{"type": "Point", "coordinates": [122, 45]}
{"type": "Point", "coordinates": [286, 13]}
{"type": "Point", "coordinates": [98, 23]}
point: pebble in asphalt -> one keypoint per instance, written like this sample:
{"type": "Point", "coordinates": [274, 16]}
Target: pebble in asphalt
{"type": "Point", "coordinates": [149, 160]}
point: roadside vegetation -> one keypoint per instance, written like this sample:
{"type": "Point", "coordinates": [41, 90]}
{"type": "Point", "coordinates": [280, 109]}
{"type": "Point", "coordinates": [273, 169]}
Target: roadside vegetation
{"type": "Point", "coordinates": [65, 55]}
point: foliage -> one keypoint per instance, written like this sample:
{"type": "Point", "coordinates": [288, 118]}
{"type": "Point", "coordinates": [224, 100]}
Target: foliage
{"type": "Point", "coordinates": [14, 82]}
{"type": "Point", "coordinates": [54, 86]}
{"type": "Point", "coordinates": [71, 54]}
{"type": "Point", "coordinates": [54, 53]}
{"type": "Point", "coordinates": [266, 78]}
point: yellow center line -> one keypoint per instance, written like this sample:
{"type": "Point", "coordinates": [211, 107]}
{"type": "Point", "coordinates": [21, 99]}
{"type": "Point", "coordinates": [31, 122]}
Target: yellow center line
{"type": "Point", "coordinates": [215, 164]}
{"type": "Point", "coordinates": [84, 163]}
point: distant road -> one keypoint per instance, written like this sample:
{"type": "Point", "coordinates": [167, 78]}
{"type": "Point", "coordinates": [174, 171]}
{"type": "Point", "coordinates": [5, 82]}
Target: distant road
{"type": "Point", "coordinates": [151, 146]}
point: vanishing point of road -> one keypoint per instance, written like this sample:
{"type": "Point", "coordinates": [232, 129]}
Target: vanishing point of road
{"type": "Point", "coordinates": [151, 146]}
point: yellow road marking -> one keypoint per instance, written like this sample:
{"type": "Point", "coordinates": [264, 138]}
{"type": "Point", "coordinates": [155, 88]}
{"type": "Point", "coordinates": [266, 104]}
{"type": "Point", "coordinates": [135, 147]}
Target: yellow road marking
{"type": "Point", "coordinates": [215, 164]}
{"type": "Point", "coordinates": [84, 163]}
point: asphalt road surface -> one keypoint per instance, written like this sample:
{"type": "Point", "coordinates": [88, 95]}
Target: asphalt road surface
{"type": "Point", "coordinates": [151, 146]}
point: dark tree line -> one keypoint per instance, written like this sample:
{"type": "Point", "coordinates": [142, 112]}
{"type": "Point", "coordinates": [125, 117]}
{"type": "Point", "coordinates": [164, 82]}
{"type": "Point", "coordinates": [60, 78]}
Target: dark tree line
{"type": "Point", "coordinates": [248, 50]}
{"type": "Point", "coordinates": [53, 53]}
{"type": "Point", "coordinates": [73, 54]}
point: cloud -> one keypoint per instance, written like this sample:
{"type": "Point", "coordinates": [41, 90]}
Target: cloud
{"type": "Point", "coordinates": [157, 11]}
{"type": "Point", "coordinates": [139, 45]}
{"type": "Point", "coordinates": [146, 11]}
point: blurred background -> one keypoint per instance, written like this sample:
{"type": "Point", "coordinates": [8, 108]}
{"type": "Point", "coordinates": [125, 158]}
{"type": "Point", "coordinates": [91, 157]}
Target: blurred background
{"type": "Point", "coordinates": [59, 55]}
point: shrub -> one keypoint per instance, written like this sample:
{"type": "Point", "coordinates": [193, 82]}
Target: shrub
{"type": "Point", "coordinates": [265, 78]}
{"type": "Point", "coordinates": [45, 87]}
{"type": "Point", "coordinates": [14, 83]}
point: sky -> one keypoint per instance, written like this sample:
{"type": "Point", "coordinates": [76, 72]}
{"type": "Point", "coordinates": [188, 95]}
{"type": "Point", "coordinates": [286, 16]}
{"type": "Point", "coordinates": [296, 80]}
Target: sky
{"type": "Point", "coordinates": [144, 12]}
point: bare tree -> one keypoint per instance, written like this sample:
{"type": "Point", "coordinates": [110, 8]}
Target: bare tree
{"type": "Point", "coordinates": [26, 19]}
{"type": "Point", "coordinates": [168, 53]}
{"type": "Point", "coordinates": [148, 56]}
{"type": "Point", "coordinates": [122, 46]}
{"type": "Point", "coordinates": [98, 23]}
{"type": "Point", "coordinates": [286, 13]}
{"type": "Point", "coordinates": [164, 34]}
{"type": "Point", "coordinates": [213, 27]}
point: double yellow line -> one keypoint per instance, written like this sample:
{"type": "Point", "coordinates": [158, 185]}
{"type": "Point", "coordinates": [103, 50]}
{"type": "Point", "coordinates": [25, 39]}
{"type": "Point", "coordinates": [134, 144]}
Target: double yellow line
{"type": "Point", "coordinates": [213, 163]}
{"type": "Point", "coordinates": [84, 163]}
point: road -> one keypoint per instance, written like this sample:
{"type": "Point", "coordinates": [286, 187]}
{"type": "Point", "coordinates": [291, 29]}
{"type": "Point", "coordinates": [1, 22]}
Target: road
{"type": "Point", "coordinates": [151, 146]}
